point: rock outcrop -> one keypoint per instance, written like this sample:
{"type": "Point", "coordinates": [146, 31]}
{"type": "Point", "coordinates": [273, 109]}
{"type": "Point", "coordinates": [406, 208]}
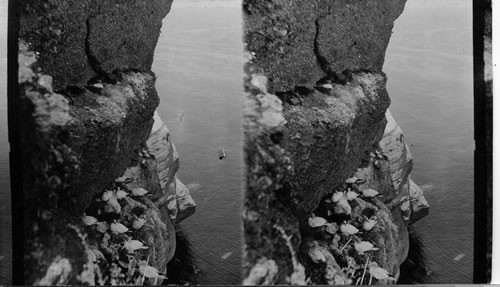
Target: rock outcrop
{"type": "Point", "coordinates": [296, 43]}
{"type": "Point", "coordinates": [101, 196]}
{"type": "Point", "coordinates": [329, 194]}
{"type": "Point", "coordinates": [80, 40]}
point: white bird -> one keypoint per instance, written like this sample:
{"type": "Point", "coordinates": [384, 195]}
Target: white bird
{"type": "Point", "coordinates": [369, 224]}
{"type": "Point", "coordinates": [351, 195]}
{"type": "Point", "coordinates": [378, 272]}
{"type": "Point", "coordinates": [348, 229]}
{"type": "Point", "coordinates": [89, 220]}
{"type": "Point", "coordinates": [315, 253]}
{"type": "Point", "coordinates": [364, 246]}
{"type": "Point", "coordinates": [370, 192]}
{"type": "Point", "coordinates": [118, 228]}
{"type": "Point", "coordinates": [133, 245]}
{"type": "Point", "coordinates": [316, 221]}
{"type": "Point", "coordinates": [337, 196]}
{"type": "Point", "coordinates": [139, 191]}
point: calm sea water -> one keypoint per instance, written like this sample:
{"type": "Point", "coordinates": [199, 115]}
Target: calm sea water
{"type": "Point", "coordinates": [198, 62]}
{"type": "Point", "coordinates": [429, 65]}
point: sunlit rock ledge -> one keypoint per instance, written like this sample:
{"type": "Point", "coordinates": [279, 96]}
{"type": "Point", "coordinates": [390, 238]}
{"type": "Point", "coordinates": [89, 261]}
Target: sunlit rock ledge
{"type": "Point", "coordinates": [411, 198]}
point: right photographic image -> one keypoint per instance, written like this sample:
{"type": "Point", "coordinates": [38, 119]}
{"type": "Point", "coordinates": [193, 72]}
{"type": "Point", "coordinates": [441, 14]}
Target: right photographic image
{"type": "Point", "coordinates": [359, 142]}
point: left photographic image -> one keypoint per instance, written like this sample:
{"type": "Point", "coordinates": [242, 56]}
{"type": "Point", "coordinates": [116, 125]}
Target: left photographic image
{"type": "Point", "coordinates": [125, 134]}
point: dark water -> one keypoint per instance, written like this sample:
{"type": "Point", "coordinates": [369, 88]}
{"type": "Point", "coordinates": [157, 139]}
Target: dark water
{"type": "Point", "coordinates": [198, 61]}
{"type": "Point", "coordinates": [430, 71]}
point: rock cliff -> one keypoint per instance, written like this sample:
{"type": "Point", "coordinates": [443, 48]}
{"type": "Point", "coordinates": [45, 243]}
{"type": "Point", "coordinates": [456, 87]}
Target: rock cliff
{"type": "Point", "coordinates": [329, 194]}
{"type": "Point", "coordinates": [100, 192]}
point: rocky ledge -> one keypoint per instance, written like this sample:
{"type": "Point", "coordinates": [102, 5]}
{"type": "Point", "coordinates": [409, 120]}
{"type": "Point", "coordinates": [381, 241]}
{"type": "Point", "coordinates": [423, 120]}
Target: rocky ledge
{"type": "Point", "coordinates": [101, 195]}
{"type": "Point", "coordinates": [329, 194]}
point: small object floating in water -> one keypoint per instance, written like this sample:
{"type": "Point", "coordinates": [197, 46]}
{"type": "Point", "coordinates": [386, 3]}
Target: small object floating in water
{"type": "Point", "coordinates": [222, 153]}
{"type": "Point", "coordinates": [316, 221]}
{"type": "Point", "coordinates": [459, 257]}
{"type": "Point", "coordinates": [226, 255]}
{"type": "Point", "coordinates": [370, 192]}
{"type": "Point", "coordinates": [181, 116]}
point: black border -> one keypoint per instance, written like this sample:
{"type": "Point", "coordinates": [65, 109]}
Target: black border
{"type": "Point", "coordinates": [15, 162]}
{"type": "Point", "coordinates": [482, 222]}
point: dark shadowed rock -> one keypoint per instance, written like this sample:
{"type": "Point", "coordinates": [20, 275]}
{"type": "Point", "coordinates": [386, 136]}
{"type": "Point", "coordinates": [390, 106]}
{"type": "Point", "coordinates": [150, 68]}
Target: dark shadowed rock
{"type": "Point", "coordinates": [48, 165]}
{"type": "Point", "coordinates": [78, 40]}
{"type": "Point", "coordinates": [281, 34]}
{"type": "Point", "coordinates": [271, 228]}
{"type": "Point", "coordinates": [108, 130]}
{"type": "Point", "coordinates": [72, 149]}
{"type": "Point", "coordinates": [315, 116]}
{"type": "Point", "coordinates": [296, 43]}
{"type": "Point", "coordinates": [122, 35]}
{"type": "Point", "coordinates": [328, 134]}
{"type": "Point", "coordinates": [353, 35]}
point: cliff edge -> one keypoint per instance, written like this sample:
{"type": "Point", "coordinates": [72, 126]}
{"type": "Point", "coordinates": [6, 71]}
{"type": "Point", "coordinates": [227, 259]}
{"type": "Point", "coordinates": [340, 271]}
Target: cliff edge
{"type": "Point", "coordinates": [329, 194]}
{"type": "Point", "coordinates": [101, 196]}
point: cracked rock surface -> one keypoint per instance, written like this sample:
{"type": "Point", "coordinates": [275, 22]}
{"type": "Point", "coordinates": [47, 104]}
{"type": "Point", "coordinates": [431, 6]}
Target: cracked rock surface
{"type": "Point", "coordinates": [79, 40]}
{"type": "Point", "coordinates": [87, 103]}
{"type": "Point", "coordinates": [315, 129]}
{"type": "Point", "coordinates": [296, 43]}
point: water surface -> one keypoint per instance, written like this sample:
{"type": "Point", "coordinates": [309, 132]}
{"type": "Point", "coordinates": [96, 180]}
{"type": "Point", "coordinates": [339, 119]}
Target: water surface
{"type": "Point", "coordinates": [199, 65]}
{"type": "Point", "coordinates": [429, 65]}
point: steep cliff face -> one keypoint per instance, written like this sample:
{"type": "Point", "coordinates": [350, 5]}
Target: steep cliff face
{"type": "Point", "coordinates": [101, 196]}
{"type": "Point", "coordinates": [329, 196]}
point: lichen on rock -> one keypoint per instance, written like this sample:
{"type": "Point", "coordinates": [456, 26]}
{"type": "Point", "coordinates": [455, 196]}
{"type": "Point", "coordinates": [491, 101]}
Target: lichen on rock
{"type": "Point", "coordinates": [87, 100]}
{"type": "Point", "coordinates": [332, 177]}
